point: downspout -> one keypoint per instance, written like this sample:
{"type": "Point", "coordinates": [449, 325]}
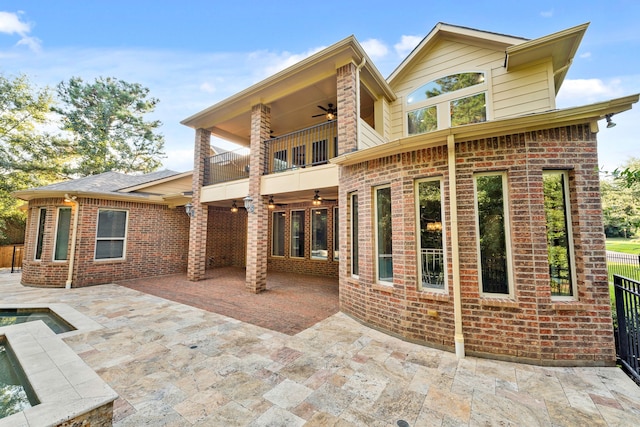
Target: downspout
{"type": "Point", "coordinates": [455, 250]}
{"type": "Point", "coordinates": [74, 233]}
{"type": "Point", "coordinates": [358, 68]}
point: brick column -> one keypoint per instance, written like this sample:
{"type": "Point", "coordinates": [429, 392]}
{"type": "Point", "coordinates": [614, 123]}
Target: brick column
{"type": "Point", "coordinates": [258, 221]}
{"type": "Point", "coordinates": [196, 263]}
{"type": "Point", "coordinates": [347, 111]}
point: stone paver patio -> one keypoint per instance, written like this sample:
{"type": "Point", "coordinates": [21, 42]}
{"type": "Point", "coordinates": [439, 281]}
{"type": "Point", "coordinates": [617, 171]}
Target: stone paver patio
{"type": "Point", "coordinates": [177, 365]}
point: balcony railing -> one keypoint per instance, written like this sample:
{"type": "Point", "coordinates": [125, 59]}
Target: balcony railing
{"type": "Point", "coordinates": [307, 147]}
{"type": "Point", "coordinates": [228, 166]}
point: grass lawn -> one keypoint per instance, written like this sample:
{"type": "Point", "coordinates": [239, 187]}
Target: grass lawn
{"type": "Point", "coordinates": [628, 246]}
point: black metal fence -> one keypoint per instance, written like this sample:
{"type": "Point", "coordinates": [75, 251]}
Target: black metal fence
{"type": "Point", "coordinates": [626, 265]}
{"type": "Point", "coordinates": [627, 295]}
{"type": "Point", "coordinates": [224, 167]}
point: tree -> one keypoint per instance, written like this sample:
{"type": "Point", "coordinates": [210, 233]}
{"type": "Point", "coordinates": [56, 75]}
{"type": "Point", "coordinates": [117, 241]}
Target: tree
{"type": "Point", "coordinates": [630, 175]}
{"type": "Point", "coordinates": [106, 122]}
{"type": "Point", "coordinates": [619, 207]}
{"type": "Point", "coordinates": [29, 156]}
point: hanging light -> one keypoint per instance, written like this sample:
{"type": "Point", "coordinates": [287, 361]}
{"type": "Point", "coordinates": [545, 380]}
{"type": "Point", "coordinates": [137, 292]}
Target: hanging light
{"type": "Point", "coordinates": [271, 204]}
{"type": "Point", "coordinates": [317, 200]}
{"type": "Point", "coordinates": [234, 207]}
{"type": "Point", "coordinates": [610, 124]}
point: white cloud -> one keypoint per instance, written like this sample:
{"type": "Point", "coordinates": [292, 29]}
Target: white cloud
{"type": "Point", "coordinates": [587, 91]}
{"type": "Point", "coordinates": [375, 48]}
{"type": "Point", "coordinates": [585, 55]}
{"type": "Point", "coordinates": [268, 63]}
{"type": "Point", "coordinates": [10, 23]}
{"type": "Point", "coordinates": [547, 13]}
{"type": "Point", "coordinates": [207, 87]}
{"type": "Point", "coordinates": [406, 45]}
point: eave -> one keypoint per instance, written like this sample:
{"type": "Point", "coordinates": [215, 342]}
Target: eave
{"type": "Point", "coordinates": [128, 197]}
{"type": "Point", "coordinates": [570, 116]}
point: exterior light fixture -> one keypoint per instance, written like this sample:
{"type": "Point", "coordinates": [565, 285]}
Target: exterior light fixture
{"type": "Point", "coordinates": [248, 204]}
{"type": "Point", "coordinates": [234, 207]}
{"type": "Point", "coordinates": [271, 204]}
{"type": "Point", "coordinates": [69, 199]}
{"type": "Point", "coordinates": [190, 210]}
{"type": "Point", "coordinates": [610, 124]}
{"type": "Point", "coordinates": [317, 200]}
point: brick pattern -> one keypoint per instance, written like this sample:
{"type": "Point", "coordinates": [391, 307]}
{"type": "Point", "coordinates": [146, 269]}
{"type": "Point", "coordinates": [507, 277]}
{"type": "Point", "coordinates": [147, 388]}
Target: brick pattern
{"type": "Point", "coordinates": [227, 238]}
{"type": "Point", "coordinates": [258, 222]}
{"type": "Point", "coordinates": [197, 263]}
{"type": "Point", "coordinates": [306, 265]}
{"type": "Point", "coordinates": [347, 111]}
{"type": "Point", "coordinates": [530, 326]}
{"type": "Point", "coordinates": [156, 244]}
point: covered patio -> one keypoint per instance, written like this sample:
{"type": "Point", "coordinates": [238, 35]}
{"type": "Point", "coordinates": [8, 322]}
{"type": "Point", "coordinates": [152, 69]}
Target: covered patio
{"type": "Point", "coordinates": [291, 303]}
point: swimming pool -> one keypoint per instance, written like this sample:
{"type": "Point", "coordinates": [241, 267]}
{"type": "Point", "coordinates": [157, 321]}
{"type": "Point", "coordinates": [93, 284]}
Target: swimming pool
{"type": "Point", "coordinates": [12, 316]}
{"type": "Point", "coordinates": [15, 391]}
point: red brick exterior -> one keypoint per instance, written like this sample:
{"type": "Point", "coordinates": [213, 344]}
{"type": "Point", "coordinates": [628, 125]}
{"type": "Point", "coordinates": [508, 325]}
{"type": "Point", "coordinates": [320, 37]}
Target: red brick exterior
{"type": "Point", "coordinates": [529, 327]}
{"type": "Point", "coordinates": [226, 238]}
{"type": "Point", "coordinates": [197, 263]}
{"type": "Point", "coordinates": [347, 103]}
{"type": "Point", "coordinates": [156, 244]}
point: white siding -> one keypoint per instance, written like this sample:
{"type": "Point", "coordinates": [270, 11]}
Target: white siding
{"type": "Point", "coordinates": [368, 136]}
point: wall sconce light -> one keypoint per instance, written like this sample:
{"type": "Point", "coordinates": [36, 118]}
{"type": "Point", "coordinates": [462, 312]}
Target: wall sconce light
{"type": "Point", "coordinates": [610, 124]}
{"type": "Point", "coordinates": [271, 204]}
{"type": "Point", "coordinates": [234, 207]}
{"type": "Point", "coordinates": [317, 200]}
{"type": "Point", "coordinates": [248, 204]}
{"type": "Point", "coordinates": [190, 210]}
{"type": "Point", "coordinates": [69, 199]}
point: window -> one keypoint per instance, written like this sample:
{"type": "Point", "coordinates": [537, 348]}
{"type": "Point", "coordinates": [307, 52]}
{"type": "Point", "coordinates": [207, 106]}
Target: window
{"type": "Point", "coordinates": [355, 248]}
{"type": "Point", "coordinates": [319, 152]}
{"type": "Point", "coordinates": [297, 234]}
{"type": "Point", "coordinates": [493, 233]}
{"type": "Point", "coordinates": [277, 234]}
{"type": "Point", "coordinates": [319, 234]}
{"type": "Point", "coordinates": [280, 161]}
{"type": "Point", "coordinates": [559, 248]}
{"type": "Point", "coordinates": [62, 234]}
{"type": "Point", "coordinates": [111, 234]}
{"type": "Point", "coordinates": [298, 156]}
{"type": "Point", "coordinates": [383, 235]}
{"type": "Point", "coordinates": [40, 239]}
{"type": "Point", "coordinates": [453, 100]}
{"type": "Point", "coordinates": [336, 235]}
{"type": "Point", "coordinates": [432, 266]}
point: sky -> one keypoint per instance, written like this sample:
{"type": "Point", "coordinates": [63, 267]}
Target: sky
{"type": "Point", "coordinates": [193, 54]}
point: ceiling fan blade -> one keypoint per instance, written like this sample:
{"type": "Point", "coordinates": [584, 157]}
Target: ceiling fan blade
{"type": "Point", "coordinates": [319, 115]}
{"type": "Point", "coordinates": [322, 108]}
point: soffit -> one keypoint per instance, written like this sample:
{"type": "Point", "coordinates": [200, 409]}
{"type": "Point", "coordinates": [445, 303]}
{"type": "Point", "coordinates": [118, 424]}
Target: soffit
{"type": "Point", "coordinates": [561, 47]}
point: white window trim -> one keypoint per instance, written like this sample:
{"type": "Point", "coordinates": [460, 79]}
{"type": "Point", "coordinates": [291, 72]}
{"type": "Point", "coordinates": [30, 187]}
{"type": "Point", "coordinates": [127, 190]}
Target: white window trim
{"type": "Point", "coordinates": [375, 235]}
{"type": "Point", "coordinates": [572, 256]}
{"type": "Point", "coordinates": [313, 213]}
{"type": "Point", "coordinates": [35, 249]}
{"type": "Point", "coordinates": [284, 249]}
{"type": "Point", "coordinates": [445, 261]}
{"type": "Point", "coordinates": [443, 102]}
{"type": "Point", "coordinates": [354, 240]}
{"type": "Point", "coordinates": [55, 235]}
{"type": "Point", "coordinates": [336, 247]}
{"type": "Point", "coordinates": [124, 239]}
{"type": "Point", "coordinates": [291, 232]}
{"type": "Point", "coordinates": [507, 235]}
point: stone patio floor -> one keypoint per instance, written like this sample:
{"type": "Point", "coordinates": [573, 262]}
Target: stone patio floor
{"type": "Point", "coordinates": [177, 365]}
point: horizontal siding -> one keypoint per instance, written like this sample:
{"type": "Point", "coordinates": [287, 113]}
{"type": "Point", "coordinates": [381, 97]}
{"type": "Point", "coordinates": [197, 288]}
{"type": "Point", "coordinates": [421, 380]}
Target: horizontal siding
{"type": "Point", "coordinates": [368, 136]}
{"type": "Point", "coordinates": [522, 92]}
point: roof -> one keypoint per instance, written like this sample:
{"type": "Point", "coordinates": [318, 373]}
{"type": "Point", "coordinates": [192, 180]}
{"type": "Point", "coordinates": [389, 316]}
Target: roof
{"type": "Point", "coordinates": [105, 185]}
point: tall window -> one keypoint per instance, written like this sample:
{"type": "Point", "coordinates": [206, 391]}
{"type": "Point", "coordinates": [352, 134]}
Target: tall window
{"type": "Point", "coordinates": [384, 236]}
{"type": "Point", "coordinates": [557, 213]}
{"type": "Point", "coordinates": [42, 215]}
{"type": "Point", "coordinates": [319, 248]}
{"type": "Point", "coordinates": [355, 248]}
{"type": "Point", "coordinates": [430, 225]}
{"type": "Point", "coordinates": [453, 100]}
{"type": "Point", "coordinates": [494, 260]}
{"type": "Point", "coordinates": [297, 234]}
{"type": "Point", "coordinates": [336, 235]}
{"type": "Point", "coordinates": [111, 234]}
{"type": "Point", "coordinates": [62, 234]}
{"type": "Point", "coordinates": [277, 234]}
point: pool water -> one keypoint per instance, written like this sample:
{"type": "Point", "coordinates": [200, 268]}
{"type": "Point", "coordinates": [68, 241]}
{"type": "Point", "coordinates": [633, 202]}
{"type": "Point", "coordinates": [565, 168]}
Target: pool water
{"type": "Point", "coordinates": [12, 316]}
{"type": "Point", "coordinates": [13, 394]}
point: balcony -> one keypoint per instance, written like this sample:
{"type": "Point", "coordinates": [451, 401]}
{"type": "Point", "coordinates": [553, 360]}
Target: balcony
{"type": "Point", "coordinates": [229, 166]}
{"type": "Point", "coordinates": [312, 146]}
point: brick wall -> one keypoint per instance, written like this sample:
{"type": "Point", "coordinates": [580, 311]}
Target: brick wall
{"type": "Point", "coordinates": [226, 238]}
{"type": "Point", "coordinates": [529, 326]}
{"type": "Point", "coordinates": [156, 244]}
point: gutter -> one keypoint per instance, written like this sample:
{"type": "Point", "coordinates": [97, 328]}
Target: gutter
{"type": "Point", "coordinates": [74, 234]}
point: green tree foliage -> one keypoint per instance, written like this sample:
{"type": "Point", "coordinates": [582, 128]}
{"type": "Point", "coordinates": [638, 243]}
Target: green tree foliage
{"type": "Point", "coordinates": [621, 212]}
{"type": "Point", "coordinates": [629, 176]}
{"type": "Point", "coordinates": [29, 156]}
{"type": "Point", "coordinates": [106, 122]}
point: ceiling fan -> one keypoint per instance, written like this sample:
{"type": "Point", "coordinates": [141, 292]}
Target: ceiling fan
{"type": "Point", "coordinates": [330, 112]}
